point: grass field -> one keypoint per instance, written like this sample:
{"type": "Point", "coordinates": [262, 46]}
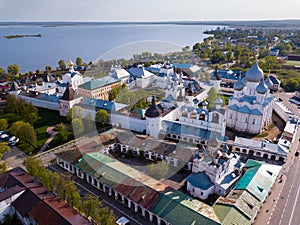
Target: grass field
{"type": "Point", "coordinates": [292, 63]}
{"type": "Point", "coordinates": [46, 118]}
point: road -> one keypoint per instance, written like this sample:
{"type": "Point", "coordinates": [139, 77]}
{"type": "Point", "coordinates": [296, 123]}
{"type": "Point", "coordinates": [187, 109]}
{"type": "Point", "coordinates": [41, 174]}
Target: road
{"type": "Point", "coordinates": [282, 206]}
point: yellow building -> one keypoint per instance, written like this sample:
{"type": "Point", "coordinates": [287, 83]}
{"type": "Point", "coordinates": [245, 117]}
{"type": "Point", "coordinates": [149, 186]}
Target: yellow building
{"type": "Point", "coordinates": [98, 88]}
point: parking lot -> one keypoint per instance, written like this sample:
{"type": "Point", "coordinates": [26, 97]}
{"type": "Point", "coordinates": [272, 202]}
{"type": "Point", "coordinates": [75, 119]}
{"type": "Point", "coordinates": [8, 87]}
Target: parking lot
{"type": "Point", "coordinates": [11, 140]}
{"type": "Point", "coordinates": [286, 97]}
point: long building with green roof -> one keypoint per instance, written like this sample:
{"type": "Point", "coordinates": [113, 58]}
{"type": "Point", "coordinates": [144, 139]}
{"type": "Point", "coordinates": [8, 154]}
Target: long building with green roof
{"type": "Point", "coordinates": [152, 198]}
{"type": "Point", "coordinates": [162, 204]}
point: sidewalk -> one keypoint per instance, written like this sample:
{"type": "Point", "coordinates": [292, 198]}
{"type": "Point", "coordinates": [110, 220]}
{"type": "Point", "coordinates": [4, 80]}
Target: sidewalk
{"type": "Point", "coordinates": [53, 133]}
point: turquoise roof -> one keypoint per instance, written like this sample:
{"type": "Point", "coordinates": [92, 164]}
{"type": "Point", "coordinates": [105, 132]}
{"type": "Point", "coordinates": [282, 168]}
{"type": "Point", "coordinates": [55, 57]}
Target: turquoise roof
{"type": "Point", "coordinates": [258, 179]}
{"type": "Point", "coordinates": [98, 83]}
{"type": "Point", "coordinates": [200, 180]}
{"type": "Point", "coordinates": [182, 65]}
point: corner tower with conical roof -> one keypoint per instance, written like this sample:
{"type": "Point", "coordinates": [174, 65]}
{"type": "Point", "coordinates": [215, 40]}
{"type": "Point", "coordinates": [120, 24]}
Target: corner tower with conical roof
{"type": "Point", "coordinates": [68, 100]}
{"type": "Point", "coordinates": [153, 120]}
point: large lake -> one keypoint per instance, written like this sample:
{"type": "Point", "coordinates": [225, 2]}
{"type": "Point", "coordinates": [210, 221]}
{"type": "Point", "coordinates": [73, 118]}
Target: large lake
{"type": "Point", "coordinates": [91, 42]}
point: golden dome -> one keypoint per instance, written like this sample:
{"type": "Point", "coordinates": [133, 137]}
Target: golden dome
{"type": "Point", "coordinates": [71, 63]}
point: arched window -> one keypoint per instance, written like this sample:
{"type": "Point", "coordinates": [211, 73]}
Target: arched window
{"type": "Point", "coordinates": [215, 118]}
{"type": "Point", "coordinates": [202, 116]}
{"type": "Point", "coordinates": [253, 122]}
{"type": "Point", "coordinates": [184, 113]}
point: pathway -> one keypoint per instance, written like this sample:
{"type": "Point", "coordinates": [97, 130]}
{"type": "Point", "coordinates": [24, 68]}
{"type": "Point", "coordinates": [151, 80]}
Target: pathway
{"type": "Point", "coordinates": [48, 141]}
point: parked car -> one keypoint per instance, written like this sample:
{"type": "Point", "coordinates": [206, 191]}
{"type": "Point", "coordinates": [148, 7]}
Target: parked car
{"type": "Point", "coordinates": [13, 140]}
{"type": "Point", "coordinates": [280, 99]}
{"type": "Point", "coordinates": [123, 221]}
{"type": "Point", "coordinates": [4, 137]}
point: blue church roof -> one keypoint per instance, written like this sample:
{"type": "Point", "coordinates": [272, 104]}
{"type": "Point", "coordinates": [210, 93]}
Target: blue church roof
{"type": "Point", "coordinates": [200, 180]}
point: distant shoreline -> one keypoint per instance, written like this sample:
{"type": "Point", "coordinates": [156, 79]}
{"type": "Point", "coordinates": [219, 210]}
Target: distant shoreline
{"type": "Point", "coordinates": [22, 36]}
{"type": "Point", "coordinates": [283, 24]}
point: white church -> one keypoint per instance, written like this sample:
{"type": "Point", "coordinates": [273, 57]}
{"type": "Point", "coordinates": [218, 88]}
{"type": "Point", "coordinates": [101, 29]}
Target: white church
{"type": "Point", "coordinates": [250, 108]}
{"type": "Point", "coordinates": [215, 170]}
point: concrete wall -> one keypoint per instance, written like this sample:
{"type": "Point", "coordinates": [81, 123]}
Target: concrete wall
{"type": "Point", "coordinates": [41, 103]}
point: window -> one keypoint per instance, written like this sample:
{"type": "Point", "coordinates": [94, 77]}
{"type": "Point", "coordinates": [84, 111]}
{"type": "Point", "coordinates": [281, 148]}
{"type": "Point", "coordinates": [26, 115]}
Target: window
{"type": "Point", "coordinates": [253, 122]}
{"type": "Point", "coordinates": [215, 118]}
{"type": "Point", "coordinates": [246, 120]}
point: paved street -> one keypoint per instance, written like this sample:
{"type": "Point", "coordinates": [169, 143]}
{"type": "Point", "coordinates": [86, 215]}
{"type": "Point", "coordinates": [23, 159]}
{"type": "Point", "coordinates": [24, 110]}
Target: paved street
{"type": "Point", "coordinates": [283, 204]}
{"type": "Point", "coordinates": [14, 157]}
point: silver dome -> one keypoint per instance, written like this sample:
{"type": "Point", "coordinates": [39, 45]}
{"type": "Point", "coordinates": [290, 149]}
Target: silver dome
{"type": "Point", "coordinates": [255, 73]}
{"type": "Point", "coordinates": [268, 82]}
{"type": "Point", "coordinates": [244, 81]}
{"type": "Point", "coordinates": [261, 87]}
{"type": "Point", "coordinates": [219, 101]}
{"type": "Point", "coordinates": [238, 85]}
{"type": "Point", "coordinates": [205, 103]}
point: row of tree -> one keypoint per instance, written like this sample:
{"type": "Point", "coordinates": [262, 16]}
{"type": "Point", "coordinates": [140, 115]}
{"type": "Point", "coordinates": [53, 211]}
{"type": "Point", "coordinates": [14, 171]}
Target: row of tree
{"type": "Point", "coordinates": [14, 69]}
{"type": "Point", "coordinates": [23, 110]}
{"type": "Point", "coordinates": [63, 66]}
{"type": "Point", "coordinates": [90, 205]}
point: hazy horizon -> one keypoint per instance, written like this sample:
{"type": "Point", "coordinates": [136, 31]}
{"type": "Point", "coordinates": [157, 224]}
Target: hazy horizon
{"type": "Point", "coordinates": [146, 11]}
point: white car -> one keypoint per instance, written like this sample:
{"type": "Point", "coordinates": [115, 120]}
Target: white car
{"type": "Point", "coordinates": [4, 137]}
{"type": "Point", "coordinates": [123, 221]}
{"type": "Point", "coordinates": [13, 140]}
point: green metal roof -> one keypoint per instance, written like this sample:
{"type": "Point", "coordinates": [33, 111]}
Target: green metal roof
{"type": "Point", "coordinates": [180, 209]}
{"type": "Point", "coordinates": [168, 206]}
{"type": "Point", "coordinates": [98, 83]}
{"type": "Point", "coordinates": [229, 215]}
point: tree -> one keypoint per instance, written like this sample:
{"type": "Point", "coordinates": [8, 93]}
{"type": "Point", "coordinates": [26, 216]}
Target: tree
{"type": "Point", "coordinates": [75, 112]}
{"type": "Point", "coordinates": [33, 166]}
{"type": "Point", "coordinates": [2, 71]}
{"type": "Point", "coordinates": [77, 125]}
{"type": "Point", "coordinates": [72, 195]}
{"type": "Point", "coordinates": [62, 64]}
{"type": "Point", "coordinates": [13, 69]}
{"type": "Point", "coordinates": [48, 68]}
{"type": "Point", "coordinates": [3, 167]}
{"type": "Point", "coordinates": [212, 96]}
{"type": "Point", "coordinates": [3, 124]}
{"type": "Point", "coordinates": [291, 85]}
{"type": "Point", "coordinates": [107, 217]}
{"type": "Point", "coordinates": [26, 111]}
{"type": "Point", "coordinates": [112, 94]}
{"type": "Point", "coordinates": [25, 132]}
{"type": "Point", "coordinates": [78, 61]}
{"type": "Point", "coordinates": [102, 117]}
{"type": "Point", "coordinates": [91, 207]}
{"type": "Point", "coordinates": [62, 132]}
{"type": "Point", "coordinates": [89, 124]}
{"type": "Point", "coordinates": [3, 148]}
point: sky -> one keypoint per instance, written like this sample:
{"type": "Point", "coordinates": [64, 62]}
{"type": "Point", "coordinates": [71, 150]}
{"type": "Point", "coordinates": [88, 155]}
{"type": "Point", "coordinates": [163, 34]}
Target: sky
{"type": "Point", "coordinates": [150, 10]}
